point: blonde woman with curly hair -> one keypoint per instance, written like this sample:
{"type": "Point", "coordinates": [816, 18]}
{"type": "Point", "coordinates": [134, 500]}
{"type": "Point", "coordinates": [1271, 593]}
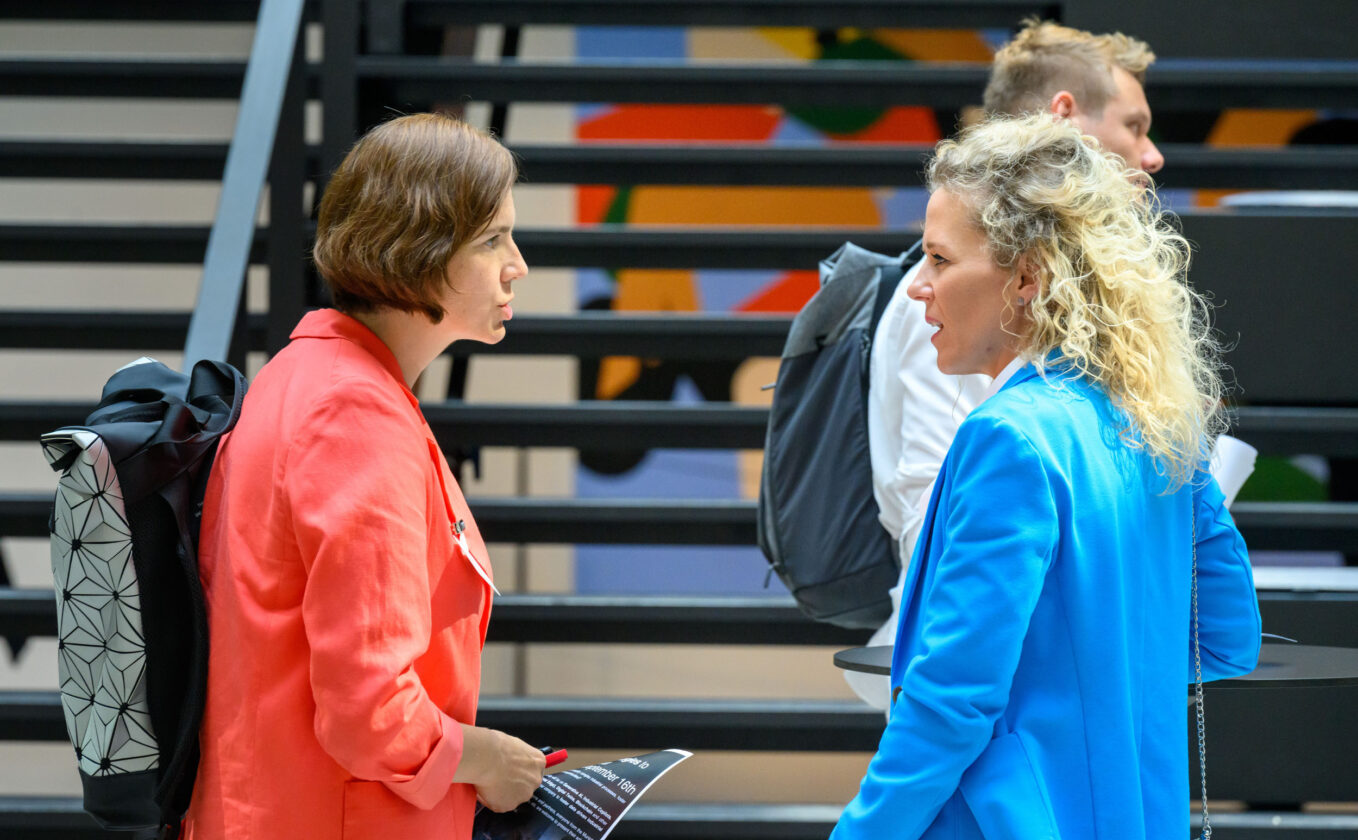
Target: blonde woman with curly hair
{"type": "Point", "coordinates": [1093, 80]}
{"type": "Point", "coordinates": [1042, 656]}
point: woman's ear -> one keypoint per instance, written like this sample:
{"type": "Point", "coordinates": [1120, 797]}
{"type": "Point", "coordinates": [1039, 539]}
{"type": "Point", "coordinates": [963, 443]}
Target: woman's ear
{"type": "Point", "coordinates": [1028, 281]}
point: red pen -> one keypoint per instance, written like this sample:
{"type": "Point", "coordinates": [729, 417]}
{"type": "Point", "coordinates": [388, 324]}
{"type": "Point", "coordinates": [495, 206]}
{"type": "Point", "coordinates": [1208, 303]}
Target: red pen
{"type": "Point", "coordinates": [554, 756]}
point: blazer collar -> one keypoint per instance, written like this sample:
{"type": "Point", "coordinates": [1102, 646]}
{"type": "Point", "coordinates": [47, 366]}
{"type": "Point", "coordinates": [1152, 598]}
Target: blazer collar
{"type": "Point", "coordinates": [1023, 374]}
{"type": "Point", "coordinates": [331, 323]}
{"type": "Point", "coordinates": [1054, 368]}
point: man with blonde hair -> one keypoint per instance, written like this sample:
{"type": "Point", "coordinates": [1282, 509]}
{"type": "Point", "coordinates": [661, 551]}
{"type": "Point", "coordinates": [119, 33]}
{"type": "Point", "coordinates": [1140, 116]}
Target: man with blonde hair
{"type": "Point", "coordinates": [914, 410]}
{"type": "Point", "coordinates": [1095, 81]}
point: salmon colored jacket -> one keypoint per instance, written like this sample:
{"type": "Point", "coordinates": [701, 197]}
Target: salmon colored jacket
{"type": "Point", "coordinates": [347, 610]}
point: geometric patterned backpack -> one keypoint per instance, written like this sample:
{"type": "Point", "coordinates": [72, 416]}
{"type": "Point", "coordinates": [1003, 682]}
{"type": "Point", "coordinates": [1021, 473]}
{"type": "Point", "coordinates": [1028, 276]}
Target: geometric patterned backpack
{"type": "Point", "coordinates": [131, 620]}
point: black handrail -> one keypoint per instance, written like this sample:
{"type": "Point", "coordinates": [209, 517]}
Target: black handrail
{"type": "Point", "coordinates": [267, 81]}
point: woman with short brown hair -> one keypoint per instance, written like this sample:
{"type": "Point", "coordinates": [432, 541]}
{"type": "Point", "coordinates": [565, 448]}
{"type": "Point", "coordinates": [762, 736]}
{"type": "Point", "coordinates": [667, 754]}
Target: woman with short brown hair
{"type": "Point", "coordinates": [348, 586]}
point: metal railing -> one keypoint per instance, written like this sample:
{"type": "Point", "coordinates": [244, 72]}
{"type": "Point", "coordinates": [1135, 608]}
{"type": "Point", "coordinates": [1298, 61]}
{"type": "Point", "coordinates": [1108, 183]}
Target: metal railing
{"type": "Point", "coordinates": [267, 143]}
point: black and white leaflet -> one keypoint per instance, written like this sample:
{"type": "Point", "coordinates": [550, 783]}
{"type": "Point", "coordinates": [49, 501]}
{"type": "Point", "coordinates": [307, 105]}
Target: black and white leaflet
{"type": "Point", "coordinates": [580, 804]}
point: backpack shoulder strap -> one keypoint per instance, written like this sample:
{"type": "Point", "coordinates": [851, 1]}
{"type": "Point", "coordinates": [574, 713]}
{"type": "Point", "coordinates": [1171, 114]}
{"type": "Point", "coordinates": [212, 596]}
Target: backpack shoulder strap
{"type": "Point", "coordinates": [891, 278]}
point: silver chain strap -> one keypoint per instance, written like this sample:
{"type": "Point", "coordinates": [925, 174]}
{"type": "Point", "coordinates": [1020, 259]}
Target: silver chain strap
{"type": "Point", "coordinates": [1197, 670]}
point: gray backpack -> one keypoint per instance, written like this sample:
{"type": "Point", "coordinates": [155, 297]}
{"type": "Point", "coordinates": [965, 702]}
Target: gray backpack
{"type": "Point", "coordinates": [818, 522]}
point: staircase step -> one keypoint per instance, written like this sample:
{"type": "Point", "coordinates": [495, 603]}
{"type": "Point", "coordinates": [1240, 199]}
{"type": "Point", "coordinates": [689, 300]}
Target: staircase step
{"type": "Point", "coordinates": [845, 165]}
{"type": "Point", "coordinates": [586, 335]}
{"type": "Point", "coordinates": [1178, 85]}
{"type": "Point", "coordinates": [600, 722]}
{"type": "Point", "coordinates": [1267, 526]}
{"type": "Point", "coordinates": [110, 243]}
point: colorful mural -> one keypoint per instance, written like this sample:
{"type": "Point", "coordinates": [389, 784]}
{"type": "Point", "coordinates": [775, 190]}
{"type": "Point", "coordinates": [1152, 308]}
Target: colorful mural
{"type": "Point", "coordinates": [724, 475]}
{"type": "Point", "coordinates": [727, 475]}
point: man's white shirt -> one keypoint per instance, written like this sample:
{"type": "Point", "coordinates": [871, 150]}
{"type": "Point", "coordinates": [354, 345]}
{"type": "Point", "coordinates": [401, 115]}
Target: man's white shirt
{"type": "Point", "coordinates": [913, 413]}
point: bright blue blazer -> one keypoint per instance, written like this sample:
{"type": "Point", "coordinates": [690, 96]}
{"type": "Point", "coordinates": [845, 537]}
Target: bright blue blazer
{"type": "Point", "coordinates": [1043, 653]}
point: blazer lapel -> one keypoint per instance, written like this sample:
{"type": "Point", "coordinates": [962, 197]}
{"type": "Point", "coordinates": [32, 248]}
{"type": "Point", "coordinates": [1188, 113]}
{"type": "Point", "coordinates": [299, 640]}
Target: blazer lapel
{"type": "Point", "coordinates": [465, 533]}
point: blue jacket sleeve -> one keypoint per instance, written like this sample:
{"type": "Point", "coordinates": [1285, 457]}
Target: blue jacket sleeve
{"type": "Point", "coordinates": [1228, 607]}
{"type": "Point", "coordinates": [987, 563]}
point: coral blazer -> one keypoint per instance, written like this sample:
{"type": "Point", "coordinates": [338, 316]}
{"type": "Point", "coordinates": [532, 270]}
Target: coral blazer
{"type": "Point", "coordinates": [347, 609]}
{"type": "Point", "coordinates": [1043, 652]}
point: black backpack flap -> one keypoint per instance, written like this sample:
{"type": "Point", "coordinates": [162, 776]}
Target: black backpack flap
{"type": "Point", "coordinates": [818, 518]}
{"type": "Point", "coordinates": [834, 555]}
{"type": "Point", "coordinates": [159, 423]}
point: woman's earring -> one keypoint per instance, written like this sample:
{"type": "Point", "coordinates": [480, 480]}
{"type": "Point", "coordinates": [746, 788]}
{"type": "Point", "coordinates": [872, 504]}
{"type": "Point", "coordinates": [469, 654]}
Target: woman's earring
{"type": "Point", "coordinates": [1020, 301]}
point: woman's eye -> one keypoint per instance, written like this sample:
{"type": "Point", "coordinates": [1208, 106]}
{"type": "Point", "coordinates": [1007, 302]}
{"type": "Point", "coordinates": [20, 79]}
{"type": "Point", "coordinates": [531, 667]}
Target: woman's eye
{"type": "Point", "coordinates": [937, 258]}
{"type": "Point", "coordinates": [493, 241]}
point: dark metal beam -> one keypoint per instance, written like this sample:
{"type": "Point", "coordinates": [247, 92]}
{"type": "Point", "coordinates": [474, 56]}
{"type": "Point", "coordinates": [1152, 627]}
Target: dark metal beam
{"type": "Point", "coordinates": [111, 243]}
{"type": "Point", "coordinates": [85, 330]}
{"type": "Point", "coordinates": [289, 235]}
{"type": "Point", "coordinates": [1178, 86]}
{"type": "Point", "coordinates": [1307, 733]}
{"type": "Point", "coordinates": [119, 159]}
{"type": "Point", "coordinates": [627, 425]}
{"type": "Point", "coordinates": [339, 117]}
{"type": "Point", "coordinates": [1315, 618]}
{"type": "Point", "coordinates": [600, 722]}
{"type": "Point", "coordinates": [1294, 431]}
{"type": "Point", "coordinates": [27, 612]}
{"type": "Point", "coordinates": [92, 330]}
{"type": "Point", "coordinates": [140, 77]}
{"type": "Point", "coordinates": [584, 335]}
{"type": "Point", "coordinates": [415, 81]}
{"type": "Point", "coordinates": [691, 337]}
{"type": "Point", "coordinates": [683, 336]}
{"type": "Point", "coordinates": [619, 246]}
{"type": "Point", "coordinates": [599, 425]}
{"type": "Point", "coordinates": [1189, 165]}
{"type": "Point", "coordinates": [44, 817]}
{"type": "Point", "coordinates": [571, 619]}
{"type": "Point", "coordinates": [1293, 526]}
{"type": "Point", "coordinates": [766, 724]}
{"type": "Point", "coordinates": [914, 14]}
{"type": "Point", "coordinates": [1288, 168]}
{"type": "Point", "coordinates": [199, 11]}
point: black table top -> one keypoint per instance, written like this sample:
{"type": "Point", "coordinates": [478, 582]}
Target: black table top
{"type": "Point", "coordinates": [1280, 666]}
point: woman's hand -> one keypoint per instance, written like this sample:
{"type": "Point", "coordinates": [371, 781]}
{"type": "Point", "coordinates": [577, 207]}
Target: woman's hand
{"type": "Point", "coordinates": [504, 769]}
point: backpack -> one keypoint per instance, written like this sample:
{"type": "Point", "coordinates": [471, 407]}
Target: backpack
{"type": "Point", "coordinates": [818, 524]}
{"type": "Point", "coordinates": [131, 619]}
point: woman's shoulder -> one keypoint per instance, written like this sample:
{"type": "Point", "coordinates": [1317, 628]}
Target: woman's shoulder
{"type": "Point", "coordinates": [1030, 391]}
{"type": "Point", "coordinates": [1039, 405]}
{"type": "Point", "coordinates": [324, 381]}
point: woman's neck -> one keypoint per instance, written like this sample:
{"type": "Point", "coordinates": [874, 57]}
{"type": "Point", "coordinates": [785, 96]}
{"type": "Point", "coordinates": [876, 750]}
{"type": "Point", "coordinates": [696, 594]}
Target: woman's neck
{"type": "Point", "coordinates": [410, 336]}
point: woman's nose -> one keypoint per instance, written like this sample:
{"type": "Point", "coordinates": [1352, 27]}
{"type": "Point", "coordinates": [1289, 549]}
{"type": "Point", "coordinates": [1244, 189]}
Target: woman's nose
{"type": "Point", "coordinates": [919, 287]}
{"type": "Point", "coordinates": [1151, 159]}
{"type": "Point", "coordinates": [518, 267]}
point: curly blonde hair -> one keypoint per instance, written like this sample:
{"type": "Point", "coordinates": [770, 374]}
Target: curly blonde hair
{"type": "Point", "coordinates": [1046, 57]}
{"type": "Point", "coordinates": [1113, 302]}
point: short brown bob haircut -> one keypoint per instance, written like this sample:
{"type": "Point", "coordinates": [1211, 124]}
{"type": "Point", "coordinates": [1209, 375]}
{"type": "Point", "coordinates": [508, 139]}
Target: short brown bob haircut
{"type": "Point", "coordinates": [410, 193]}
{"type": "Point", "coordinates": [1045, 58]}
